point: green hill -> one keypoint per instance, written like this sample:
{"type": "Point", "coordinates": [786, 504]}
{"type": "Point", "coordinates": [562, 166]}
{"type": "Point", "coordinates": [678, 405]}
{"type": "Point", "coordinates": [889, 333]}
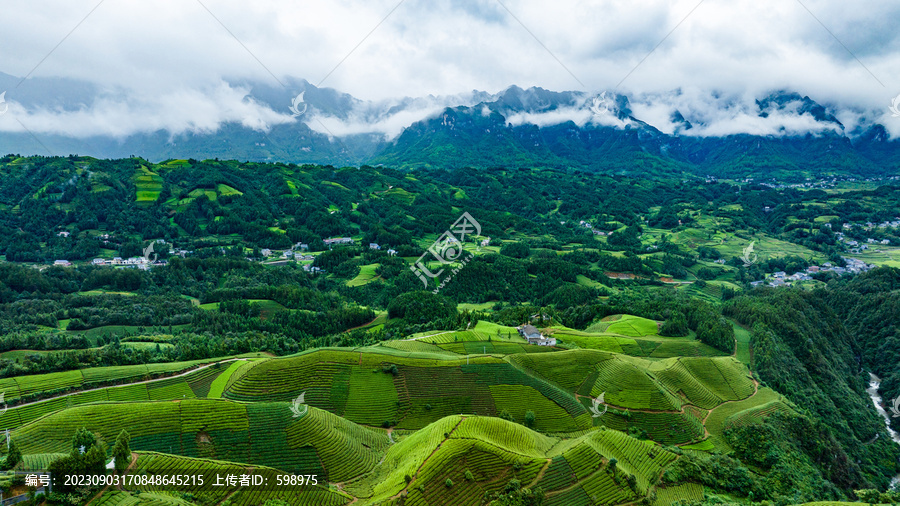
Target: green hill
{"type": "Point", "coordinates": [375, 388]}
{"type": "Point", "coordinates": [264, 433]}
{"type": "Point", "coordinates": [447, 441]}
{"type": "Point", "coordinates": [150, 463]}
{"type": "Point", "coordinates": [479, 454]}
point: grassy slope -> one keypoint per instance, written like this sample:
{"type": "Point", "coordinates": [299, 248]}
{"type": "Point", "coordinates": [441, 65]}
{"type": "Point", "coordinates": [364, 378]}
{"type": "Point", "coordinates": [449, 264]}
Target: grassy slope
{"type": "Point", "coordinates": [360, 386]}
{"type": "Point", "coordinates": [495, 451]}
{"type": "Point", "coordinates": [150, 462]}
{"type": "Point", "coordinates": [632, 335]}
{"type": "Point", "coordinates": [433, 384]}
{"type": "Point", "coordinates": [266, 434]}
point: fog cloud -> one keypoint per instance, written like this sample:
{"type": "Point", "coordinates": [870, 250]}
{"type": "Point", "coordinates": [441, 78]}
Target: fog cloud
{"type": "Point", "coordinates": [163, 65]}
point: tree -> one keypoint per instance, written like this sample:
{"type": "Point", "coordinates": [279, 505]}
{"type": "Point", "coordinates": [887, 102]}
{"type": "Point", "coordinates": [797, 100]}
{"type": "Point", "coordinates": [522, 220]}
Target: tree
{"type": "Point", "coordinates": [529, 419]}
{"type": "Point", "coordinates": [84, 439]}
{"type": "Point", "coordinates": [122, 452]}
{"type": "Point", "coordinates": [514, 495]}
{"type": "Point", "coordinates": [675, 326]}
{"type": "Point", "coordinates": [88, 456]}
{"type": "Point", "coordinates": [612, 465]}
{"type": "Point", "coordinates": [515, 250]}
{"type": "Point", "coordinates": [421, 307]}
{"type": "Point", "coordinates": [13, 457]}
{"type": "Point", "coordinates": [870, 496]}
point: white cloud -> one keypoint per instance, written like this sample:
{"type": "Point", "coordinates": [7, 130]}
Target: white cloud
{"type": "Point", "coordinates": [166, 59]}
{"type": "Point", "coordinates": [177, 111]}
{"type": "Point", "coordinates": [389, 126]}
{"type": "Point", "coordinates": [579, 116]}
{"type": "Point", "coordinates": [387, 117]}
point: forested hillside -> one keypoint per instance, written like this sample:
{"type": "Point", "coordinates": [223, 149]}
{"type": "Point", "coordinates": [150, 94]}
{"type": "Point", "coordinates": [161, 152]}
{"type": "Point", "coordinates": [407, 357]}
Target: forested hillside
{"type": "Point", "coordinates": [671, 356]}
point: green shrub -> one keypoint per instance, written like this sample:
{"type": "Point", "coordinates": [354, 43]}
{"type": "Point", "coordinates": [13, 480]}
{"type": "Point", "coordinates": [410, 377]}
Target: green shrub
{"type": "Point", "coordinates": [529, 419]}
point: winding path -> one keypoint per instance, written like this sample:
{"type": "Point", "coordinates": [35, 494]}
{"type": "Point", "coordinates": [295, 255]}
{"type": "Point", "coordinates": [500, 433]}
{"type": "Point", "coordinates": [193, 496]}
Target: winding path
{"type": "Point", "coordinates": [682, 411]}
{"type": "Point", "coordinates": [179, 375]}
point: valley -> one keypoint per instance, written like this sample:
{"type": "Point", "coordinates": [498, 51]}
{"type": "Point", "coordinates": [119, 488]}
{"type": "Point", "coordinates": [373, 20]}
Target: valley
{"type": "Point", "coordinates": [464, 253]}
{"type": "Point", "coordinates": [415, 337]}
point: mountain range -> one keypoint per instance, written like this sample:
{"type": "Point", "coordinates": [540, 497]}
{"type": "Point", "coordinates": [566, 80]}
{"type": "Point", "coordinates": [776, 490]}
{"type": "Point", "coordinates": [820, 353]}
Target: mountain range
{"type": "Point", "coordinates": [784, 134]}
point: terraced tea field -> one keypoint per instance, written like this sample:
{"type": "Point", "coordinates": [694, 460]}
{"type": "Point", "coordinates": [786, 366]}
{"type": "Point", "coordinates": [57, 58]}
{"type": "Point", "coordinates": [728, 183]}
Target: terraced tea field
{"type": "Point", "coordinates": [148, 185]}
{"type": "Point", "coordinates": [633, 336]}
{"type": "Point", "coordinates": [138, 386]}
{"type": "Point", "coordinates": [366, 275]}
{"type": "Point", "coordinates": [152, 463]}
{"type": "Point", "coordinates": [409, 422]}
{"type": "Point", "coordinates": [625, 325]}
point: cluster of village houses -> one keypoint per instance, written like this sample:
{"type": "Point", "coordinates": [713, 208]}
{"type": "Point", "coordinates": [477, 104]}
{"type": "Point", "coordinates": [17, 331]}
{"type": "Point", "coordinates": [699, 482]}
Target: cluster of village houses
{"type": "Point", "coordinates": [809, 184]}
{"type": "Point", "coordinates": [820, 183]}
{"type": "Point", "coordinates": [300, 252]}
{"type": "Point", "coordinates": [534, 335]}
{"type": "Point", "coordinates": [857, 246]}
{"type": "Point", "coordinates": [781, 278]}
{"type": "Point", "coordinates": [591, 227]}
{"type": "Point", "coordinates": [297, 252]}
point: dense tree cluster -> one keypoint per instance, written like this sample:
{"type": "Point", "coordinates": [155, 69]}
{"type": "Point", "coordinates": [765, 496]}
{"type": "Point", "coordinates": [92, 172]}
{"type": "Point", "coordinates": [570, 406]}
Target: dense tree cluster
{"type": "Point", "coordinates": [561, 241]}
{"type": "Point", "coordinates": [804, 348]}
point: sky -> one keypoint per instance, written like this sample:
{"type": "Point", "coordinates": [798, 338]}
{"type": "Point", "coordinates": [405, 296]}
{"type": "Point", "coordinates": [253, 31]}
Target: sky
{"type": "Point", "coordinates": [168, 63]}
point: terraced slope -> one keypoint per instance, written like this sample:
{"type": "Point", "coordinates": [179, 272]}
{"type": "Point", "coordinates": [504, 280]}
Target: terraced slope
{"type": "Point", "coordinates": [667, 399]}
{"type": "Point", "coordinates": [482, 454]}
{"type": "Point", "coordinates": [196, 382]}
{"type": "Point", "coordinates": [446, 442]}
{"type": "Point", "coordinates": [156, 463]}
{"type": "Point", "coordinates": [635, 336]}
{"type": "Point", "coordinates": [635, 383]}
{"type": "Point", "coordinates": [409, 390]}
{"type": "Point", "coordinates": [61, 382]}
{"type": "Point", "coordinates": [266, 434]}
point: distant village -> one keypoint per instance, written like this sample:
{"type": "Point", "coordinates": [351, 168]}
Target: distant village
{"type": "Point", "coordinates": [592, 229]}
{"type": "Point", "coordinates": [296, 253]}
{"type": "Point", "coordinates": [824, 183]}
{"type": "Point", "coordinates": [809, 184]}
{"type": "Point", "coordinates": [299, 252]}
{"type": "Point", "coordinates": [858, 247]}
{"type": "Point", "coordinates": [781, 278]}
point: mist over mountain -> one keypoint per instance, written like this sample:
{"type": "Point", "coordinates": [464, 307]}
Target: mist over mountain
{"type": "Point", "coordinates": [783, 134]}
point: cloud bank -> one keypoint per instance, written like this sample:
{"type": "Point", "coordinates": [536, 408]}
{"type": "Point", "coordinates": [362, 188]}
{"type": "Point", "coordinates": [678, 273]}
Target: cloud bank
{"type": "Point", "coordinates": [165, 65]}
